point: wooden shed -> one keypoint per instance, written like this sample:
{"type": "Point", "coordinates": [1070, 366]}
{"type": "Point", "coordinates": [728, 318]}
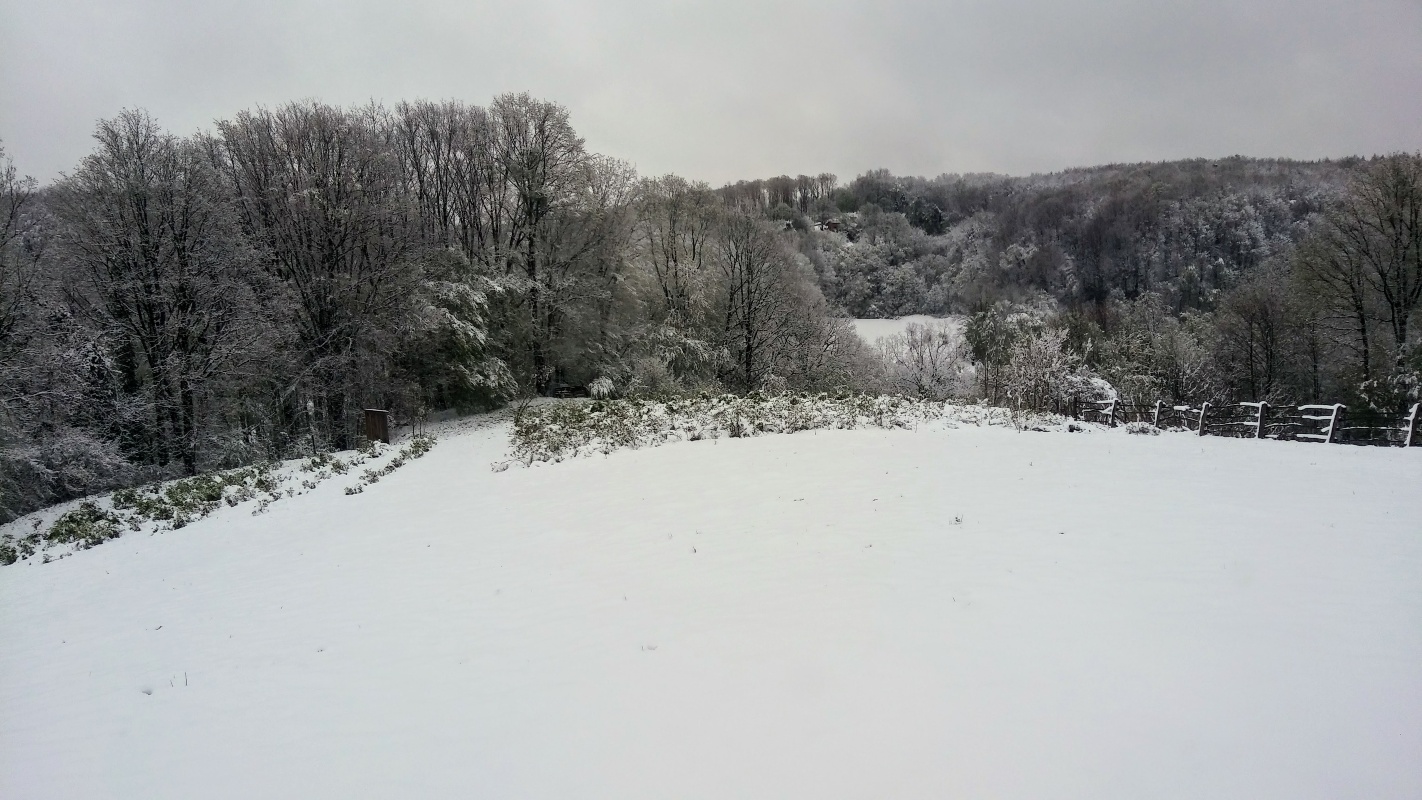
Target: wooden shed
{"type": "Point", "coordinates": [377, 425]}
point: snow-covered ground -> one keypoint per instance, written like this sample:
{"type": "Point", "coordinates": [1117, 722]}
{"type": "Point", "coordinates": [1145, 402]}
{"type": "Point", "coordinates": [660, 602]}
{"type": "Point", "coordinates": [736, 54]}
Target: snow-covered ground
{"type": "Point", "coordinates": [872, 330]}
{"type": "Point", "coordinates": [834, 614]}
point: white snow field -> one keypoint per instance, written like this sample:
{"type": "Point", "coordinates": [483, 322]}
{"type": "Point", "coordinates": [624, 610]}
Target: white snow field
{"type": "Point", "coordinates": [792, 616]}
{"type": "Point", "coordinates": [872, 330]}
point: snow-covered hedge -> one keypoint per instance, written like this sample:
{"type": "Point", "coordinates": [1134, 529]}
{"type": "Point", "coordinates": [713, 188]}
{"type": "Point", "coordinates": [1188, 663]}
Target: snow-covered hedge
{"type": "Point", "coordinates": [172, 506]}
{"type": "Point", "coordinates": [418, 445]}
{"type": "Point", "coordinates": [555, 432]}
{"type": "Point", "coordinates": [175, 504]}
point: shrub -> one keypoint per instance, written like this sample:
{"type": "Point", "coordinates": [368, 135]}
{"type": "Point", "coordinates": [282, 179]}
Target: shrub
{"type": "Point", "coordinates": [601, 388]}
{"type": "Point", "coordinates": [86, 526]}
{"type": "Point", "coordinates": [183, 501]}
{"type": "Point", "coordinates": [1142, 428]}
{"type": "Point", "coordinates": [555, 432]}
{"type": "Point", "coordinates": [418, 445]}
{"type": "Point", "coordinates": [929, 361]}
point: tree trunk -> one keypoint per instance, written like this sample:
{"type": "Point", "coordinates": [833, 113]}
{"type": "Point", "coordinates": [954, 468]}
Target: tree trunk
{"type": "Point", "coordinates": [535, 311]}
{"type": "Point", "coordinates": [1364, 342]}
{"type": "Point", "coordinates": [188, 414]}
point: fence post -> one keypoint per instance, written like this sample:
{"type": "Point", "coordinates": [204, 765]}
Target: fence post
{"type": "Point", "coordinates": [1411, 424]}
{"type": "Point", "coordinates": [1259, 427]}
{"type": "Point", "coordinates": [1338, 409]}
{"type": "Point", "coordinates": [1155, 418]}
{"type": "Point", "coordinates": [1204, 409]}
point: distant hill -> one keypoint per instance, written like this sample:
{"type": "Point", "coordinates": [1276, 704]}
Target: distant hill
{"type": "Point", "coordinates": [955, 243]}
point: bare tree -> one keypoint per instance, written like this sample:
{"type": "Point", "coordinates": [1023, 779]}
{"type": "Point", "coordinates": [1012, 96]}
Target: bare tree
{"type": "Point", "coordinates": [1367, 255]}
{"type": "Point", "coordinates": [931, 361]}
{"type": "Point", "coordinates": [1381, 221]}
{"type": "Point", "coordinates": [584, 259]}
{"type": "Point", "coordinates": [161, 268]}
{"type": "Point", "coordinates": [542, 163]}
{"type": "Point", "coordinates": [320, 192]}
{"type": "Point", "coordinates": [17, 255]}
{"type": "Point", "coordinates": [435, 143]}
{"type": "Point", "coordinates": [1336, 276]}
{"type": "Point", "coordinates": [674, 233]}
{"type": "Point", "coordinates": [1253, 328]}
{"type": "Point", "coordinates": [757, 315]}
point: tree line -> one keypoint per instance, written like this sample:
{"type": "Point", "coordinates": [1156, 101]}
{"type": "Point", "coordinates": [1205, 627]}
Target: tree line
{"type": "Point", "coordinates": [178, 304]}
{"type": "Point", "coordinates": [1188, 281]}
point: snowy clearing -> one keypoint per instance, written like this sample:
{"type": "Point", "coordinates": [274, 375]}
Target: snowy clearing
{"type": "Point", "coordinates": [872, 330]}
{"type": "Point", "coordinates": [936, 613]}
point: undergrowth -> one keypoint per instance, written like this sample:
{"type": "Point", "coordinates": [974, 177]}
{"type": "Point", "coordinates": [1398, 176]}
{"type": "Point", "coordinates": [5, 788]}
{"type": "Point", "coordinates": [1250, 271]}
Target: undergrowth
{"type": "Point", "coordinates": [178, 503]}
{"type": "Point", "coordinates": [183, 501]}
{"type": "Point", "coordinates": [418, 445]}
{"type": "Point", "coordinates": [555, 432]}
{"type": "Point", "coordinates": [87, 525]}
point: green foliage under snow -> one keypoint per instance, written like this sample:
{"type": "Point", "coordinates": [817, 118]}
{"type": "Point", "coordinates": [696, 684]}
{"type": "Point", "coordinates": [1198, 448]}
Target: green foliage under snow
{"type": "Point", "coordinates": [555, 432]}
{"type": "Point", "coordinates": [176, 504]}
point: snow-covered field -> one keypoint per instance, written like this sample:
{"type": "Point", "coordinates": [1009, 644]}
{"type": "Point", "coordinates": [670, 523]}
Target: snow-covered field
{"type": "Point", "coordinates": [872, 330]}
{"type": "Point", "coordinates": [835, 614]}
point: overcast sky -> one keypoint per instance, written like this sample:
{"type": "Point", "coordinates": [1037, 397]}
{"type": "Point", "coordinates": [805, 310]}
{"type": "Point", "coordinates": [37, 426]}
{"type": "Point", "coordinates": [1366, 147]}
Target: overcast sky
{"type": "Point", "coordinates": [725, 90]}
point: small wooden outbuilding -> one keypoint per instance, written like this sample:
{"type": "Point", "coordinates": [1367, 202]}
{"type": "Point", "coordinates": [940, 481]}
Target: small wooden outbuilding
{"type": "Point", "coordinates": [377, 425]}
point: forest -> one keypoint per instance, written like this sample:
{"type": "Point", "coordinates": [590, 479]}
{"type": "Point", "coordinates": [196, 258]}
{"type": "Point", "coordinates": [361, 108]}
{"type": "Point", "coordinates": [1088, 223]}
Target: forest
{"type": "Point", "coordinates": [178, 304]}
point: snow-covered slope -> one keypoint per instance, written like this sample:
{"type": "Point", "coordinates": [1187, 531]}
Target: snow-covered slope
{"type": "Point", "coordinates": [835, 614]}
{"type": "Point", "coordinates": [872, 330]}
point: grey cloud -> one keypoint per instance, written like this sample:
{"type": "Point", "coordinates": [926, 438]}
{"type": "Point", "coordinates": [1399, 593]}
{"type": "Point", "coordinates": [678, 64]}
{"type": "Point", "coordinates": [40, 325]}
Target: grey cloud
{"type": "Point", "coordinates": [726, 90]}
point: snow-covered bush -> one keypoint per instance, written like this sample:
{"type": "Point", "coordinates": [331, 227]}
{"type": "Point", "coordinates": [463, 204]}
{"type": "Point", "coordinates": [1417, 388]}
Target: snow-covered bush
{"type": "Point", "coordinates": [85, 526]}
{"type": "Point", "coordinates": [175, 504]}
{"type": "Point", "coordinates": [1154, 354]}
{"type": "Point", "coordinates": [555, 432]}
{"type": "Point", "coordinates": [929, 361]}
{"type": "Point", "coordinates": [1142, 429]}
{"type": "Point", "coordinates": [993, 335]}
{"type": "Point", "coordinates": [162, 507]}
{"type": "Point", "coordinates": [418, 445]}
{"type": "Point", "coordinates": [1043, 375]}
{"type": "Point", "coordinates": [62, 465]}
{"type": "Point", "coordinates": [601, 388]}
{"type": "Point", "coordinates": [651, 377]}
{"type": "Point", "coordinates": [1400, 387]}
{"type": "Point", "coordinates": [183, 501]}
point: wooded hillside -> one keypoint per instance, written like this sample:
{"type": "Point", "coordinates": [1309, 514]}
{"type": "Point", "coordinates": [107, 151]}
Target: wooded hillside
{"type": "Point", "coordinates": [179, 304]}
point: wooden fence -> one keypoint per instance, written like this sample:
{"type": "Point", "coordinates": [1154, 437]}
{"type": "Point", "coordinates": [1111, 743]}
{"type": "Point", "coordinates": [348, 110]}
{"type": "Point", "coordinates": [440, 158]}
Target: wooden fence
{"type": "Point", "coordinates": [1326, 424]}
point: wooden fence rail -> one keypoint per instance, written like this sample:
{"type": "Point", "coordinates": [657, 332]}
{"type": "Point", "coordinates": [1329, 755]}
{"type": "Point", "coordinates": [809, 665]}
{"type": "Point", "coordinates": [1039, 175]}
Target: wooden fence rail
{"type": "Point", "coordinates": [1326, 424]}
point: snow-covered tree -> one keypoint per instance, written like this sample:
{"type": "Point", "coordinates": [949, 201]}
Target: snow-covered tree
{"type": "Point", "coordinates": [161, 269]}
{"type": "Point", "coordinates": [931, 361]}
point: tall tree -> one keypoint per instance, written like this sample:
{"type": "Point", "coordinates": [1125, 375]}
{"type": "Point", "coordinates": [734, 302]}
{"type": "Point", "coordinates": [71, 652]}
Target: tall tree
{"type": "Point", "coordinates": [758, 286]}
{"type": "Point", "coordinates": [17, 254]}
{"type": "Point", "coordinates": [1253, 327]}
{"type": "Point", "coordinates": [320, 192]}
{"type": "Point", "coordinates": [161, 269]}
{"type": "Point", "coordinates": [1380, 224]}
{"type": "Point", "coordinates": [676, 220]}
{"type": "Point", "coordinates": [1364, 260]}
{"type": "Point", "coordinates": [544, 166]}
